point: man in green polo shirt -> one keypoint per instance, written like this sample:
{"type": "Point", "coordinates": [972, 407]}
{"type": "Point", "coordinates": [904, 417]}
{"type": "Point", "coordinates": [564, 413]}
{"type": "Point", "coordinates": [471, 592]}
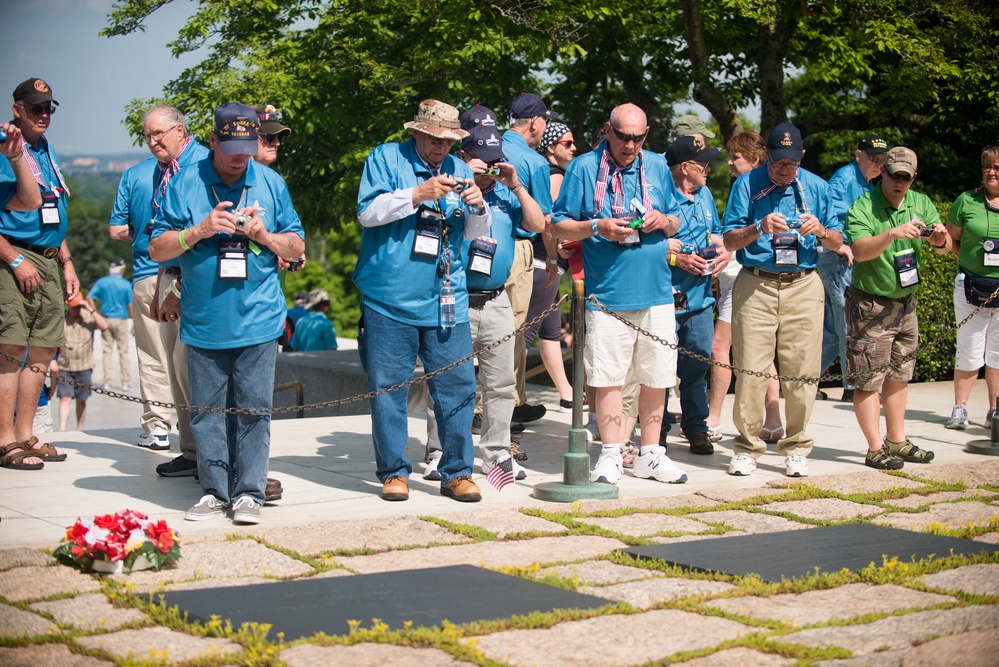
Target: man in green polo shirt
{"type": "Point", "coordinates": [886, 227]}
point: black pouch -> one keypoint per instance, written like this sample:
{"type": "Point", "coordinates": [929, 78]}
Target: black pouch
{"type": "Point", "coordinates": [977, 290]}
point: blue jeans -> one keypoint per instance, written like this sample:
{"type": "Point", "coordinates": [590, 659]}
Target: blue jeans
{"type": "Point", "coordinates": [232, 449]}
{"type": "Point", "coordinates": [388, 352]}
{"type": "Point", "coordinates": [836, 277]}
{"type": "Point", "coordinates": [694, 332]}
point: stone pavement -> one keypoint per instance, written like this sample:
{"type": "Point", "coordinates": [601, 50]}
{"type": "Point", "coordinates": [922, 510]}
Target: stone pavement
{"type": "Point", "coordinates": [943, 611]}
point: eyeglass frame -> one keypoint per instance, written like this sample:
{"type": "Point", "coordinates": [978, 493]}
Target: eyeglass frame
{"type": "Point", "coordinates": [268, 139]}
{"type": "Point", "coordinates": [705, 166]}
{"type": "Point", "coordinates": [568, 143]}
{"type": "Point", "coordinates": [626, 138]}
{"type": "Point", "coordinates": [156, 136]}
{"type": "Point", "coordinates": [909, 178]}
{"type": "Point", "coordinates": [37, 109]}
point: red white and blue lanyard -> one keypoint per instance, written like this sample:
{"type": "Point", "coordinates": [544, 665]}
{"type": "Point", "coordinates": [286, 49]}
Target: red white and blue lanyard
{"type": "Point", "coordinates": [37, 172]}
{"type": "Point", "coordinates": [617, 184]}
{"type": "Point", "coordinates": [167, 170]}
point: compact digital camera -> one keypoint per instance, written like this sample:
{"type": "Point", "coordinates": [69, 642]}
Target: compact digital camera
{"type": "Point", "coordinates": [492, 170]}
{"type": "Point", "coordinates": [295, 264]}
{"type": "Point", "coordinates": [242, 221]}
{"type": "Point", "coordinates": [459, 185]}
{"type": "Point", "coordinates": [925, 232]}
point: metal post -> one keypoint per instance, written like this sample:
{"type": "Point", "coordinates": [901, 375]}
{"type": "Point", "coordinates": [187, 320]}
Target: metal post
{"type": "Point", "coordinates": [987, 447]}
{"type": "Point", "coordinates": [575, 484]}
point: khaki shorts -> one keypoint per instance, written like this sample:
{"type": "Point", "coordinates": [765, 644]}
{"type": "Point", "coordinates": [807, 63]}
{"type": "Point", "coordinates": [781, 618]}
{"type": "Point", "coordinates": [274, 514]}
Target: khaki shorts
{"type": "Point", "coordinates": [612, 347]}
{"type": "Point", "coordinates": [36, 319]}
{"type": "Point", "coordinates": [880, 331]}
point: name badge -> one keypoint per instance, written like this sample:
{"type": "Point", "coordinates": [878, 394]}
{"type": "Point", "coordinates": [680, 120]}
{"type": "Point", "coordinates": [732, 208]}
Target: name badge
{"type": "Point", "coordinates": [905, 267]}
{"type": "Point", "coordinates": [991, 248]}
{"type": "Point", "coordinates": [785, 247]}
{"type": "Point", "coordinates": [634, 239]}
{"type": "Point", "coordinates": [428, 232]}
{"type": "Point", "coordinates": [483, 250]}
{"type": "Point", "coordinates": [233, 258]}
{"type": "Point", "coordinates": [49, 212]}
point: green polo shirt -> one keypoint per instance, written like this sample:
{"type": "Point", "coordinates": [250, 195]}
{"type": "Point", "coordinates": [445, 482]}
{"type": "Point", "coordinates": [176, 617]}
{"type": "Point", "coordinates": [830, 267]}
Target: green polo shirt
{"type": "Point", "coordinates": [871, 215]}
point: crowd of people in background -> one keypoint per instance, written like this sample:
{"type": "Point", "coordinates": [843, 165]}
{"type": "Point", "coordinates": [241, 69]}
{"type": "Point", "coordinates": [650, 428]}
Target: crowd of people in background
{"type": "Point", "coordinates": [458, 250]}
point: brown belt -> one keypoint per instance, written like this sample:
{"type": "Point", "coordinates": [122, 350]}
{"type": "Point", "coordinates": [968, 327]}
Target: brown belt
{"type": "Point", "coordinates": [47, 253]}
{"type": "Point", "coordinates": [779, 277]}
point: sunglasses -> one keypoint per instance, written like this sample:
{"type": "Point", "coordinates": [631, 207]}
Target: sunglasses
{"type": "Point", "coordinates": [905, 178]}
{"type": "Point", "coordinates": [273, 139]}
{"type": "Point", "coordinates": [568, 143]}
{"type": "Point", "coordinates": [437, 141]}
{"type": "Point", "coordinates": [637, 138]}
{"type": "Point", "coordinates": [39, 109]}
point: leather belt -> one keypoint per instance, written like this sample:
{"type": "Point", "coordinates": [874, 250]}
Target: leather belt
{"type": "Point", "coordinates": [172, 270]}
{"type": "Point", "coordinates": [479, 299]}
{"type": "Point", "coordinates": [779, 277]}
{"type": "Point", "coordinates": [47, 253]}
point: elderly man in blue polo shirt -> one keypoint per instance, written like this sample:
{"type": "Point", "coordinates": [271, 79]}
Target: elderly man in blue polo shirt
{"type": "Point", "coordinates": [34, 252]}
{"type": "Point", "coordinates": [415, 204]}
{"type": "Point", "coordinates": [777, 215]}
{"type": "Point", "coordinates": [228, 219]}
{"type": "Point", "coordinates": [618, 200]}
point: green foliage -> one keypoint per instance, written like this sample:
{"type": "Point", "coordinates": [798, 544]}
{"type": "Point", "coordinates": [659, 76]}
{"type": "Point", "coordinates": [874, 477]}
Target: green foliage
{"type": "Point", "coordinates": [87, 234]}
{"type": "Point", "coordinates": [935, 310]}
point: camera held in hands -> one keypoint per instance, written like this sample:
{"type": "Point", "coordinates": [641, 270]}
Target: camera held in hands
{"type": "Point", "coordinates": [242, 221]}
{"type": "Point", "coordinates": [295, 264]}
{"type": "Point", "coordinates": [925, 232]}
{"type": "Point", "coordinates": [492, 170]}
{"type": "Point", "coordinates": [459, 185]}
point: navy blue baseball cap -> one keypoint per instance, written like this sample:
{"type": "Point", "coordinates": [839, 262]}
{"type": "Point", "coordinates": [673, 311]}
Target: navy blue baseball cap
{"type": "Point", "coordinates": [476, 116]}
{"type": "Point", "coordinates": [528, 105]}
{"type": "Point", "coordinates": [784, 143]}
{"type": "Point", "coordinates": [485, 144]}
{"type": "Point", "coordinates": [236, 129]}
{"type": "Point", "coordinates": [688, 148]}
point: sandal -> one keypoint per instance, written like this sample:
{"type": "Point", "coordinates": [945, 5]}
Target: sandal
{"type": "Point", "coordinates": [715, 433]}
{"type": "Point", "coordinates": [46, 452]}
{"type": "Point", "coordinates": [771, 435]}
{"type": "Point", "coordinates": [908, 452]}
{"type": "Point", "coordinates": [10, 460]}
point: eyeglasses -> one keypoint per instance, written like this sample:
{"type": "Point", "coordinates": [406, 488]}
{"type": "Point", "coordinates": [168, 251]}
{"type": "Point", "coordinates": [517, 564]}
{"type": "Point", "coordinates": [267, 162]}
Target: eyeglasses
{"type": "Point", "coordinates": [705, 167]}
{"type": "Point", "coordinates": [38, 109]}
{"type": "Point", "coordinates": [786, 166]}
{"type": "Point", "coordinates": [568, 143]}
{"type": "Point", "coordinates": [156, 136]}
{"type": "Point", "coordinates": [637, 138]}
{"type": "Point", "coordinates": [901, 176]}
{"type": "Point", "coordinates": [990, 167]}
{"type": "Point", "coordinates": [272, 138]}
{"type": "Point", "coordinates": [438, 141]}
{"type": "Point", "coordinates": [876, 159]}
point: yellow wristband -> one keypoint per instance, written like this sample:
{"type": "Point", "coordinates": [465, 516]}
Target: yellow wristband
{"type": "Point", "coordinates": [183, 243]}
{"type": "Point", "coordinates": [173, 288]}
{"type": "Point", "coordinates": [672, 259]}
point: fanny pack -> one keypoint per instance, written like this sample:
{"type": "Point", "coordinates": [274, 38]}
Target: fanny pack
{"type": "Point", "coordinates": [977, 290]}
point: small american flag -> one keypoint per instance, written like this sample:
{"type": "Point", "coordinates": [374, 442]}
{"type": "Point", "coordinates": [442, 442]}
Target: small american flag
{"type": "Point", "coordinates": [501, 473]}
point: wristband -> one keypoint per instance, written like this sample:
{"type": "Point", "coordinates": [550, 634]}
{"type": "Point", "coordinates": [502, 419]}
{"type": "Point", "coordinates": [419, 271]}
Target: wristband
{"type": "Point", "coordinates": [520, 186]}
{"type": "Point", "coordinates": [595, 232]}
{"type": "Point", "coordinates": [183, 243]}
{"type": "Point", "coordinates": [759, 227]}
{"type": "Point", "coordinates": [17, 261]}
{"type": "Point", "coordinates": [64, 262]}
{"type": "Point", "coordinates": [825, 235]}
{"type": "Point", "coordinates": [15, 158]}
{"type": "Point", "coordinates": [552, 261]}
{"type": "Point", "coordinates": [938, 247]}
{"type": "Point", "coordinates": [173, 288]}
{"type": "Point", "coordinates": [672, 259]}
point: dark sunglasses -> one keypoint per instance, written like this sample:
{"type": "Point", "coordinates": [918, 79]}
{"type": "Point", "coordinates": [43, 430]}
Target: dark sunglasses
{"type": "Point", "coordinates": [637, 138]}
{"type": "Point", "coordinates": [39, 109]}
{"type": "Point", "coordinates": [905, 178]}
{"type": "Point", "coordinates": [274, 138]}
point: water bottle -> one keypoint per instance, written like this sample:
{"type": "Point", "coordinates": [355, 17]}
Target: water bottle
{"type": "Point", "coordinates": [447, 311]}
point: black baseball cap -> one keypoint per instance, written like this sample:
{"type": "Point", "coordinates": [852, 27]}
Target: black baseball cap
{"type": "Point", "coordinates": [872, 144]}
{"type": "Point", "coordinates": [784, 143]}
{"type": "Point", "coordinates": [688, 148]}
{"type": "Point", "coordinates": [33, 91]}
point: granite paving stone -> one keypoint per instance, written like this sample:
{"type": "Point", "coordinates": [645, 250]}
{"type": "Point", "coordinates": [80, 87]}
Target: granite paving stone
{"type": "Point", "coordinates": [751, 522]}
{"type": "Point", "coordinates": [91, 611]}
{"type": "Point", "coordinates": [821, 606]}
{"type": "Point", "coordinates": [988, 538]}
{"type": "Point", "coordinates": [160, 644]}
{"type": "Point", "coordinates": [898, 632]}
{"type": "Point", "coordinates": [599, 572]}
{"type": "Point", "coordinates": [376, 534]}
{"type": "Point", "coordinates": [982, 579]}
{"type": "Point", "coordinates": [336, 572]}
{"type": "Point", "coordinates": [658, 503]}
{"type": "Point", "coordinates": [741, 495]}
{"type": "Point", "coordinates": [741, 656]}
{"type": "Point", "coordinates": [650, 592]}
{"type": "Point", "coordinates": [862, 481]}
{"type": "Point", "coordinates": [24, 556]}
{"type": "Point", "coordinates": [206, 560]}
{"type": "Point", "coordinates": [634, 640]}
{"type": "Point", "coordinates": [918, 500]}
{"type": "Point", "coordinates": [950, 515]}
{"type": "Point", "coordinates": [505, 522]}
{"type": "Point", "coordinates": [20, 623]}
{"type": "Point", "coordinates": [368, 655]}
{"type": "Point", "coordinates": [34, 582]}
{"type": "Point", "coordinates": [487, 554]}
{"type": "Point", "coordinates": [695, 538]}
{"type": "Point", "coordinates": [981, 472]}
{"type": "Point", "coordinates": [881, 659]}
{"type": "Point", "coordinates": [645, 524]}
{"type": "Point", "coordinates": [824, 509]}
{"type": "Point", "coordinates": [47, 655]}
{"type": "Point", "coordinates": [216, 582]}
{"type": "Point", "coordinates": [970, 648]}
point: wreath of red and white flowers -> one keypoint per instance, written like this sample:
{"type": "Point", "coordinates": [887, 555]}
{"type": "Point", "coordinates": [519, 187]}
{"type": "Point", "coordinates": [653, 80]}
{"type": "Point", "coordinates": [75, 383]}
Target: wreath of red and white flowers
{"type": "Point", "coordinates": [127, 537]}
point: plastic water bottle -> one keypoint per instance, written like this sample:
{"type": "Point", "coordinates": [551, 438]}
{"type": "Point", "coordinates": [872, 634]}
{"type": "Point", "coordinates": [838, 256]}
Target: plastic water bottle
{"type": "Point", "coordinates": [447, 310]}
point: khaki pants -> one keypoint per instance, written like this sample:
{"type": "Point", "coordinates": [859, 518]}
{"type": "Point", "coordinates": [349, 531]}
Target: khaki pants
{"type": "Point", "coordinates": [162, 367]}
{"type": "Point", "coordinates": [768, 318]}
{"type": "Point", "coordinates": [519, 286]}
{"type": "Point", "coordinates": [116, 333]}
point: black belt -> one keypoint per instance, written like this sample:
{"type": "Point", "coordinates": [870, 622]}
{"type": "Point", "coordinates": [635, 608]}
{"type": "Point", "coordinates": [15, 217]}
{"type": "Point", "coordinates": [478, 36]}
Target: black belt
{"type": "Point", "coordinates": [779, 277]}
{"type": "Point", "coordinates": [478, 299]}
{"type": "Point", "coordinates": [172, 270]}
{"type": "Point", "coordinates": [47, 253]}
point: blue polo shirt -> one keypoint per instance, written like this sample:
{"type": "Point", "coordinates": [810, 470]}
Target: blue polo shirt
{"type": "Point", "coordinates": [633, 278]}
{"type": "Point", "coordinates": [219, 314]}
{"type": "Point", "coordinates": [532, 170]}
{"type": "Point", "coordinates": [134, 205]}
{"type": "Point", "coordinates": [506, 218]}
{"type": "Point", "coordinates": [27, 226]}
{"type": "Point", "coordinates": [392, 279]}
{"type": "Point", "coordinates": [845, 187]}
{"type": "Point", "coordinates": [115, 294]}
{"type": "Point", "coordinates": [698, 221]}
{"type": "Point", "coordinates": [742, 211]}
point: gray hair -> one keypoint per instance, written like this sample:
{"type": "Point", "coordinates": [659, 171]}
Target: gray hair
{"type": "Point", "coordinates": [170, 114]}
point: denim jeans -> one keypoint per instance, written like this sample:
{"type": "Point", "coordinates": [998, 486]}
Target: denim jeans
{"type": "Point", "coordinates": [694, 332]}
{"type": "Point", "coordinates": [389, 350]}
{"type": "Point", "coordinates": [232, 464]}
{"type": "Point", "coordinates": [836, 277]}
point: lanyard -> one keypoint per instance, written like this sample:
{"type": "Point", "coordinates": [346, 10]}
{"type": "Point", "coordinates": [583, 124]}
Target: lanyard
{"type": "Point", "coordinates": [166, 173]}
{"type": "Point", "coordinates": [37, 172]}
{"type": "Point", "coordinates": [238, 206]}
{"type": "Point", "coordinates": [617, 184]}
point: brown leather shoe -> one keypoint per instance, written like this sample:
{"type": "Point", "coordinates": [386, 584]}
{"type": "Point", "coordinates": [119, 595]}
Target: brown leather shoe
{"type": "Point", "coordinates": [273, 491]}
{"type": "Point", "coordinates": [462, 489]}
{"type": "Point", "coordinates": [395, 488]}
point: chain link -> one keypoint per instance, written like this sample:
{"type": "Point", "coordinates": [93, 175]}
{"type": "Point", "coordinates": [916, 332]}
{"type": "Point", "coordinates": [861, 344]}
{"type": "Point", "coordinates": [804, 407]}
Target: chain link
{"type": "Point", "coordinates": [312, 406]}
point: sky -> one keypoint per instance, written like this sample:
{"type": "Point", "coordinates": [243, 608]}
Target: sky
{"type": "Point", "coordinates": [93, 78]}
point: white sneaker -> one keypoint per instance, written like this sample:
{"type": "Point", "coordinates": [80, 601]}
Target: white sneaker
{"type": "Point", "coordinates": [592, 431]}
{"type": "Point", "coordinates": [518, 470]}
{"type": "Point", "coordinates": [158, 439]}
{"type": "Point", "coordinates": [432, 473]}
{"type": "Point", "coordinates": [958, 418]}
{"type": "Point", "coordinates": [741, 465]}
{"type": "Point", "coordinates": [608, 468]}
{"type": "Point", "coordinates": [796, 466]}
{"type": "Point", "coordinates": [656, 465]}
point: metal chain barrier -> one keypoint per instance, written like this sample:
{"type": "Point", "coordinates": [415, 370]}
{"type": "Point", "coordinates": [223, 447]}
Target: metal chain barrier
{"type": "Point", "coordinates": [790, 378]}
{"type": "Point", "coordinates": [312, 406]}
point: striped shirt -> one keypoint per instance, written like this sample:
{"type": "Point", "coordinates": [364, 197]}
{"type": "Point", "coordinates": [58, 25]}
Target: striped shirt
{"type": "Point", "coordinates": [77, 351]}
